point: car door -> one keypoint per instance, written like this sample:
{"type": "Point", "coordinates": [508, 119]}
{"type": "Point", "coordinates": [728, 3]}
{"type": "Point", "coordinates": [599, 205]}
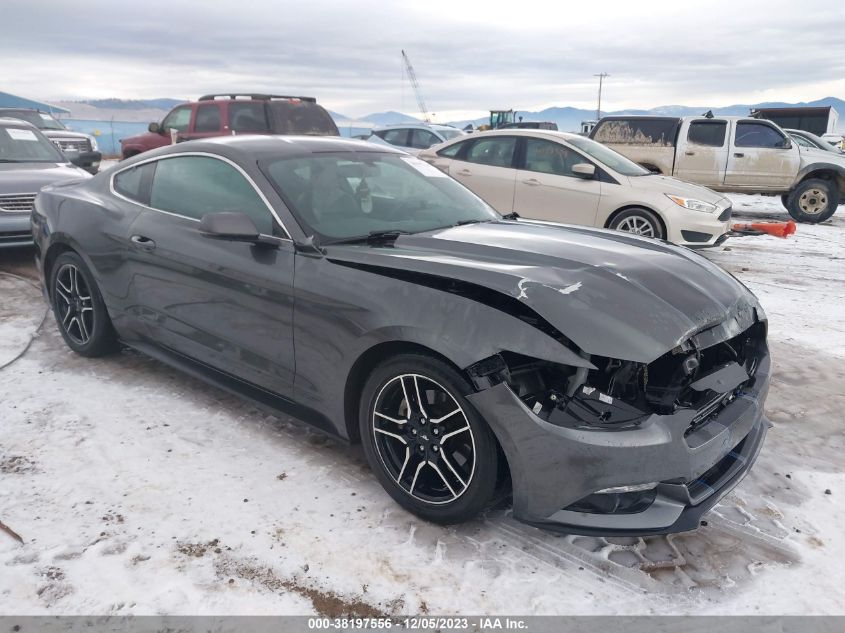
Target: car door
{"type": "Point", "coordinates": [206, 121]}
{"type": "Point", "coordinates": [547, 189]}
{"type": "Point", "coordinates": [178, 120]}
{"type": "Point", "coordinates": [223, 303]}
{"type": "Point", "coordinates": [761, 158]}
{"type": "Point", "coordinates": [398, 137]}
{"type": "Point", "coordinates": [702, 155]}
{"type": "Point", "coordinates": [487, 169]}
{"type": "Point", "coordinates": [422, 139]}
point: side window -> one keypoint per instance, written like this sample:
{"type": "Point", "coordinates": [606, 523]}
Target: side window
{"type": "Point", "coordinates": [208, 118]}
{"type": "Point", "coordinates": [710, 133]}
{"type": "Point", "coordinates": [758, 135]}
{"type": "Point", "coordinates": [396, 137]}
{"type": "Point", "coordinates": [636, 131]}
{"type": "Point", "coordinates": [496, 151]}
{"type": "Point", "coordinates": [134, 183]}
{"type": "Point", "coordinates": [248, 117]}
{"type": "Point", "coordinates": [547, 157]}
{"type": "Point", "coordinates": [178, 119]}
{"type": "Point", "coordinates": [800, 140]}
{"type": "Point", "coordinates": [195, 185]}
{"type": "Point", "coordinates": [452, 150]}
{"type": "Point", "coordinates": [423, 139]}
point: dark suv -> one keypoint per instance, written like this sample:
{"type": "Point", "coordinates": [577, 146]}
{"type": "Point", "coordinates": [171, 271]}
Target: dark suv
{"type": "Point", "coordinates": [225, 114]}
{"type": "Point", "coordinates": [80, 149]}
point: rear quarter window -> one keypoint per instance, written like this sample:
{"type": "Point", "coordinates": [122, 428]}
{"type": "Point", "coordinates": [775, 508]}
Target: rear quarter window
{"type": "Point", "coordinates": [134, 183]}
{"type": "Point", "coordinates": [658, 132]}
{"type": "Point", "coordinates": [302, 117]}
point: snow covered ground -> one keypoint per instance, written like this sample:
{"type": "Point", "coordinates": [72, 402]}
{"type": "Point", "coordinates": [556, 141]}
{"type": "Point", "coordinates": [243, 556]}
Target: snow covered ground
{"type": "Point", "coordinates": [139, 490]}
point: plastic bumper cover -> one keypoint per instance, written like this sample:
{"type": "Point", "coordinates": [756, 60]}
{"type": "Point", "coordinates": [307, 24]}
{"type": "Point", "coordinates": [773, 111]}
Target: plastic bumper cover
{"type": "Point", "coordinates": [553, 467]}
{"type": "Point", "coordinates": [15, 229]}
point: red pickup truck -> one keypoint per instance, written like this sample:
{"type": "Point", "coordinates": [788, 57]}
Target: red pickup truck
{"type": "Point", "coordinates": [224, 114]}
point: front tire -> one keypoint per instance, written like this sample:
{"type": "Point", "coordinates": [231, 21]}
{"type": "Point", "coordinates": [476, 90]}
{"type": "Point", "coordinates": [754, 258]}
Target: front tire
{"type": "Point", "coordinates": [79, 309]}
{"type": "Point", "coordinates": [639, 222]}
{"type": "Point", "coordinates": [813, 200]}
{"type": "Point", "coordinates": [429, 449]}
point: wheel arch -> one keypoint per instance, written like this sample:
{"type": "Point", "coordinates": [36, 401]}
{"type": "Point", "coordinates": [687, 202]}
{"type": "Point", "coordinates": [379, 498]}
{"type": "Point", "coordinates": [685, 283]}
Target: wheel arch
{"type": "Point", "coordinates": [50, 257]}
{"type": "Point", "coordinates": [628, 207]}
{"type": "Point", "coordinates": [651, 167]}
{"type": "Point", "coordinates": [364, 366]}
{"type": "Point", "coordinates": [825, 172]}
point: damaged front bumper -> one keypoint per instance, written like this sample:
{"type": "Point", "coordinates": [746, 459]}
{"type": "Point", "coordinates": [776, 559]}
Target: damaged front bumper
{"type": "Point", "coordinates": [665, 472]}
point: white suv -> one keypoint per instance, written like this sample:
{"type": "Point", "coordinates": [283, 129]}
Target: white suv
{"type": "Point", "coordinates": [559, 177]}
{"type": "Point", "coordinates": [414, 138]}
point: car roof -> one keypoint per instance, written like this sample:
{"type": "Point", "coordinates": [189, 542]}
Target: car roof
{"type": "Point", "coordinates": [263, 146]}
{"type": "Point", "coordinates": [10, 121]}
{"type": "Point", "coordinates": [419, 126]}
{"type": "Point", "coordinates": [553, 134]}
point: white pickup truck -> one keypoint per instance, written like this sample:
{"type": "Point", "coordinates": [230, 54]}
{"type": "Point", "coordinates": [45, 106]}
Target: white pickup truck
{"type": "Point", "coordinates": [735, 154]}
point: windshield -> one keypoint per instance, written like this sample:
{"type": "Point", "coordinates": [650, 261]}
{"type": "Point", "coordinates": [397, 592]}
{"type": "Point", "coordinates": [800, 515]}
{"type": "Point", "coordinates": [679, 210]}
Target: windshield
{"type": "Point", "coordinates": [811, 140]}
{"type": "Point", "coordinates": [448, 135]}
{"type": "Point", "coordinates": [345, 195]}
{"type": "Point", "coordinates": [39, 119]}
{"type": "Point", "coordinates": [25, 145]}
{"type": "Point", "coordinates": [607, 156]}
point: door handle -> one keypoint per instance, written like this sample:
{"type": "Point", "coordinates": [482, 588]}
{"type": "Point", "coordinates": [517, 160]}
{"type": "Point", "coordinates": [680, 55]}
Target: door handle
{"type": "Point", "coordinates": [144, 243]}
{"type": "Point", "coordinates": [464, 172]}
{"type": "Point", "coordinates": [690, 153]}
{"type": "Point", "coordinates": [532, 182]}
{"type": "Point", "coordinates": [739, 155]}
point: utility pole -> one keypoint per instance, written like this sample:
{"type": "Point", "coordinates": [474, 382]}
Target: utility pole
{"type": "Point", "coordinates": [601, 77]}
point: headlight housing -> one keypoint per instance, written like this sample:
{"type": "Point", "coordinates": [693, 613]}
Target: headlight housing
{"type": "Point", "coordinates": [692, 204]}
{"type": "Point", "coordinates": [94, 146]}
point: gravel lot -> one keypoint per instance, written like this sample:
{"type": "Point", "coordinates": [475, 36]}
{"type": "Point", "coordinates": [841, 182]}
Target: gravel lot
{"type": "Point", "coordinates": [139, 490]}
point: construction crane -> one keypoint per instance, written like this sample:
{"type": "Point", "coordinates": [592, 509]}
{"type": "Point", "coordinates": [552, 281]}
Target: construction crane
{"type": "Point", "coordinates": [412, 77]}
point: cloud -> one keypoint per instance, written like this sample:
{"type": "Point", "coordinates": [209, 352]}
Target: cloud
{"type": "Point", "coordinates": [468, 55]}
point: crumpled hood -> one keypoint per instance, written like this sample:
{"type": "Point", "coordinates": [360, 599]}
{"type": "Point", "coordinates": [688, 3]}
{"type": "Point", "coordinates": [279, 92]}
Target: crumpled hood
{"type": "Point", "coordinates": [611, 293]}
{"type": "Point", "coordinates": [31, 177]}
{"type": "Point", "coordinates": [675, 187]}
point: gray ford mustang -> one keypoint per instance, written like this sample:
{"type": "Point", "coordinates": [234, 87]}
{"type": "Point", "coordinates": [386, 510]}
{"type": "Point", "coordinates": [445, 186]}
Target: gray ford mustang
{"type": "Point", "coordinates": [614, 384]}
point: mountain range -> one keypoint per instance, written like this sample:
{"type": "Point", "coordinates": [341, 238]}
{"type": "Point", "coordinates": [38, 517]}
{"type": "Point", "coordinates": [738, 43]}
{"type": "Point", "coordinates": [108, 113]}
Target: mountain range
{"type": "Point", "coordinates": [566, 117]}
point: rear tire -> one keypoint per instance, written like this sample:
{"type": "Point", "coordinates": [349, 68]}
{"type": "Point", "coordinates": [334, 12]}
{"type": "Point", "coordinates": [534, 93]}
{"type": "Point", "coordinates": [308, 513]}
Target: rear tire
{"type": "Point", "coordinates": [437, 457]}
{"type": "Point", "coordinates": [813, 200]}
{"type": "Point", "coordinates": [80, 313]}
{"type": "Point", "coordinates": [639, 222]}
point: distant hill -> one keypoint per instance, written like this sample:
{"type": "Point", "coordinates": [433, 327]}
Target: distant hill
{"type": "Point", "coordinates": [569, 119]}
{"type": "Point", "coordinates": [134, 104]}
{"type": "Point", "coordinates": [388, 118]}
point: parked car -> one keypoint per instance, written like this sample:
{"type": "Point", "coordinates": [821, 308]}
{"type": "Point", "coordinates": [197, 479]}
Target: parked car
{"type": "Point", "coordinates": [81, 149]}
{"type": "Point", "coordinates": [226, 114]}
{"type": "Point", "coordinates": [529, 125]}
{"type": "Point", "coordinates": [615, 383]}
{"type": "Point", "coordinates": [560, 177]}
{"type": "Point", "coordinates": [731, 154]}
{"type": "Point", "coordinates": [28, 161]}
{"type": "Point", "coordinates": [811, 141]}
{"type": "Point", "coordinates": [414, 138]}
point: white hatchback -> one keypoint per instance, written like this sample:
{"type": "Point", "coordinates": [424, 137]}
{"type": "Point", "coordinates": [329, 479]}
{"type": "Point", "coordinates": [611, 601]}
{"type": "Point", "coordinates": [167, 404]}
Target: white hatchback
{"type": "Point", "coordinates": [560, 177]}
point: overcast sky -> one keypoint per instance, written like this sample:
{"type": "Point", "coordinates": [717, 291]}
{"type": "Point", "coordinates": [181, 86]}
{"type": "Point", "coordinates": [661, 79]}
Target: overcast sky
{"type": "Point", "coordinates": [469, 56]}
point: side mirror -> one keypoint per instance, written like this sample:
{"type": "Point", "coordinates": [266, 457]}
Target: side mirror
{"type": "Point", "coordinates": [787, 144]}
{"type": "Point", "coordinates": [229, 225]}
{"type": "Point", "coordinates": [154, 127]}
{"type": "Point", "coordinates": [584, 170]}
